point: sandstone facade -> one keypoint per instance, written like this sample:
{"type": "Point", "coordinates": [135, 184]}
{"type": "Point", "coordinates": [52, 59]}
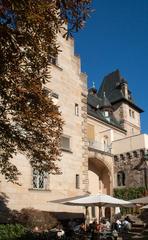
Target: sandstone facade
{"type": "Point", "coordinates": [96, 139]}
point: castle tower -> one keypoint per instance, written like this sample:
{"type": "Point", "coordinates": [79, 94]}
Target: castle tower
{"type": "Point", "coordinates": [125, 109]}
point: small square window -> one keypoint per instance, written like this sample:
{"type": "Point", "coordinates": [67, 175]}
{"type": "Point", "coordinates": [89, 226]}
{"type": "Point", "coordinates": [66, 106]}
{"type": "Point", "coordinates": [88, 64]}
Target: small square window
{"type": "Point", "coordinates": [65, 142]}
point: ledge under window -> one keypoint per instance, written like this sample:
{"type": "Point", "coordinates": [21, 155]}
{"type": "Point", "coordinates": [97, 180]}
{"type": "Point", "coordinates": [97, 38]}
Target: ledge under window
{"type": "Point", "coordinates": [57, 66]}
{"type": "Point", "coordinates": [66, 150]}
{"type": "Point", "coordinates": [39, 190]}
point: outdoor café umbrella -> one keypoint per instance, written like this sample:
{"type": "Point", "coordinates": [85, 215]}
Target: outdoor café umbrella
{"type": "Point", "coordinates": [143, 200]}
{"type": "Point", "coordinates": [100, 200]}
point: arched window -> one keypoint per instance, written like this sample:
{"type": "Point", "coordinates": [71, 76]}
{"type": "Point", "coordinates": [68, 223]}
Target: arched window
{"type": "Point", "coordinates": [121, 178]}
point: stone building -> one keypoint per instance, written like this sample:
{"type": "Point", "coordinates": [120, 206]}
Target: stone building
{"type": "Point", "coordinates": [102, 145]}
{"type": "Point", "coordinates": [114, 105]}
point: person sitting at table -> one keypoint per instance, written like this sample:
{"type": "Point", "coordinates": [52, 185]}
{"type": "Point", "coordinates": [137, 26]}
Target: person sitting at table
{"type": "Point", "coordinates": [60, 231]}
{"type": "Point", "coordinates": [118, 222]}
{"type": "Point", "coordinates": [103, 225]}
{"type": "Point", "coordinates": [114, 229]}
{"type": "Point", "coordinates": [82, 229]}
{"type": "Point", "coordinates": [107, 225]}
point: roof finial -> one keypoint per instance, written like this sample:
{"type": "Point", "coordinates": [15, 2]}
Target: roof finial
{"type": "Point", "coordinates": [93, 85]}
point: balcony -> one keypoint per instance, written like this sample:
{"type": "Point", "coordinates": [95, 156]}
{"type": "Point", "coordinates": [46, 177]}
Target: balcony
{"type": "Point", "coordinates": [99, 146]}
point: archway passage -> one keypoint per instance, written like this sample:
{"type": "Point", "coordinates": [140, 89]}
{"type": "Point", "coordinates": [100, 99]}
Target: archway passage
{"type": "Point", "coordinates": [99, 182]}
{"type": "Point", "coordinates": [99, 177]}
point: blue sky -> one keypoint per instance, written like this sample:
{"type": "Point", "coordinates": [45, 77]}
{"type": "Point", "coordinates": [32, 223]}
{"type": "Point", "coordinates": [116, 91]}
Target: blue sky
{"type": "Point", "coordinates": [116, 36]}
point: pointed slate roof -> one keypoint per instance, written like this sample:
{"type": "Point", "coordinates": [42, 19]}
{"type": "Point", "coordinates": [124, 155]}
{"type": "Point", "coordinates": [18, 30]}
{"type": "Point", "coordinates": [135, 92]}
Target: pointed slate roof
{"type": "Point", "coordinates": [105, 102]}
{"type": "Point", "coordinates": [94, 105]}
{"type": "Point", "coordinates": [93, 99]}
{"type": "Point", "coordinates": [111, 85]}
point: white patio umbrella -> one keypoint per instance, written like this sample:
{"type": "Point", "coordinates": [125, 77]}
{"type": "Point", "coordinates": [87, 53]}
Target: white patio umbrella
{"type": "Point", "coordinates": [100, 200]}
{"type": "Point", "coordinates": [143, 200]}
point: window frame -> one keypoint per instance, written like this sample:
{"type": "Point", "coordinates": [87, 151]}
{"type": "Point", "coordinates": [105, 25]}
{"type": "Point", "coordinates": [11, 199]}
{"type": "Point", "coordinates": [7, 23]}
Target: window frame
{"type": "Point", "coordinates": [77, 181]}
{"type": "Point", "coordinates": [106, 114]}
{"type": "Point", "coordinates": [133, 114]}
{"type": "Point", "coordinates": [53, 59]}
{"type": "Point", "coordinates": [76, 109]}
{"type": "Point", "coordinates": [121, 179]}
{"type": "Point", "coordinates": [68, 149]}
{"type": "Point", "coordinates": [41, 180]}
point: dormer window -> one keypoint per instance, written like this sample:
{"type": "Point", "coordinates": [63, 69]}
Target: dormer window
{"type": "Point", "coordinates": [106, 113]}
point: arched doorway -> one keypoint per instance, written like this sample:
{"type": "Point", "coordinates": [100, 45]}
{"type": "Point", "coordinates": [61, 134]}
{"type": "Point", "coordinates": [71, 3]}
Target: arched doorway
{"type": "Point", "coordinates": [99, 177]}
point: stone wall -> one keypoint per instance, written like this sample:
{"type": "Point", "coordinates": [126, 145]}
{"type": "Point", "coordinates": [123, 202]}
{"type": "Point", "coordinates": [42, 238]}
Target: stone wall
{"type": "Point", "coordinates": [133, 166]}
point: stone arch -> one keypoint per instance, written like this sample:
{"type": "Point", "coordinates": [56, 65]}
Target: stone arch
{"type": "Point", "coordinates": [100, 178]}
{"type": "Point", "coordinates": [99, 175]}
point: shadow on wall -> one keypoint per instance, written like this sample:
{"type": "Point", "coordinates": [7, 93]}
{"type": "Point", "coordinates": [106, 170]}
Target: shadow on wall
{"type": "Point", "coordinates": [32, 218]}
{"type": "Point", "coordinates": [67, 215]}
{"type": "Point", "coordinates": [6, 214]}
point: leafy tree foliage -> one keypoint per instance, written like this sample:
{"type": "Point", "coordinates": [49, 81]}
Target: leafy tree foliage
{"type": "Point", "coordinates": [29, 120]}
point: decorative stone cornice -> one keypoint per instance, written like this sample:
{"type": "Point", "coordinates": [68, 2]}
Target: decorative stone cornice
{"type": "Point", "coordinates": [129, 155]}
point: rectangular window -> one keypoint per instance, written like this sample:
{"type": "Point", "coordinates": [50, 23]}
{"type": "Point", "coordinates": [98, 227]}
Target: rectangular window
{"type": "Point", "coordinates": [130, 112]}
{"type": "Point", "coordinates": [77, 181]}
{"type": "Point", "coordinates": [65, 142]}
{"type": "Point", "coordinates": [53, 59]}
{"type": "Point", "coordinates": [39, 180]}
{"type": "Point", "coordinates": [76, 109]}
{"type": "Point", "coordinates": [90, 132]}
{"type": "Point", "coordinates": [55, 97]}
{"type": "Point", "coordinates": [133, 114]}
